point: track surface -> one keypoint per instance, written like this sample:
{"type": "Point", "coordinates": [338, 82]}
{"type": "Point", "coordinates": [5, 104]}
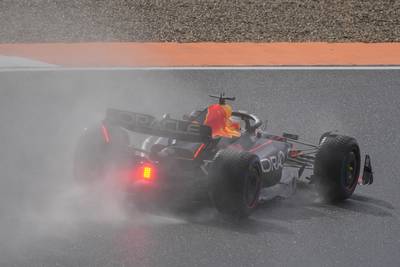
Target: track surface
{"type": "Point", "coordinates": [46, 223]}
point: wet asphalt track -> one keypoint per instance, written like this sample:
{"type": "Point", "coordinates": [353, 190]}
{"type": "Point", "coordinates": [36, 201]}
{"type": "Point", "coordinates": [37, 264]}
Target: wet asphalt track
{"type": "Point", "coordinates": [47, 222]}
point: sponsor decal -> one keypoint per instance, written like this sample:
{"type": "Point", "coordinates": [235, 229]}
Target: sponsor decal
{"type": "Point", "coordinates": [132, 120]}
{"type": "Point", "coordinates": [273, 163]}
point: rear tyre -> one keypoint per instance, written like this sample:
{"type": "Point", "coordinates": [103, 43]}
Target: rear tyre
{"type": "Point", "coordinates": [337, 167]}
{"type": "Point", "coordinates": [143, 201]}
{"type": "Point", "coordinates": [95, 154]}
{"type": "Point", "coordinates": [235, 183]}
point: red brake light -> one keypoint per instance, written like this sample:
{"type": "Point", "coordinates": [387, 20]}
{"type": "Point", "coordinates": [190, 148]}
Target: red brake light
{"type": "Point", "coordinates": [147, 172]}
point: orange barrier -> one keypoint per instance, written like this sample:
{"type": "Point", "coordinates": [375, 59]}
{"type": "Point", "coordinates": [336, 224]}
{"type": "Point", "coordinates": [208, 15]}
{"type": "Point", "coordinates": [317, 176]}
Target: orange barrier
{"type": "Point", "coordinates": [206, 54]}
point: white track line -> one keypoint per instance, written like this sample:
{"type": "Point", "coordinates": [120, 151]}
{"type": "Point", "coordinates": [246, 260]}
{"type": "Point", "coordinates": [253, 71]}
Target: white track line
{"type": "Point", "coordinates": [216, 68]}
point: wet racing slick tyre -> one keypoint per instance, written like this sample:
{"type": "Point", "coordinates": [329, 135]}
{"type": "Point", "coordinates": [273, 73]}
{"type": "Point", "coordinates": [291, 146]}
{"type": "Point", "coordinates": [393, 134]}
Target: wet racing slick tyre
{"type": "Point", "coordinates": [97, 150]}
{"type": "Point", "coordinates": [235, 183]}
{"type": "Point", "coordinates": [143, 201]}
{"type": "Point", "coordinates": [337, 167]}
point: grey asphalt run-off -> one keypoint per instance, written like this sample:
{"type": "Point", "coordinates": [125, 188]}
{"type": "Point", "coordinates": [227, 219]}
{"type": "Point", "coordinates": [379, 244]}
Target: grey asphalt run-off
{"type": "Point", "coordinates": [47, 220]}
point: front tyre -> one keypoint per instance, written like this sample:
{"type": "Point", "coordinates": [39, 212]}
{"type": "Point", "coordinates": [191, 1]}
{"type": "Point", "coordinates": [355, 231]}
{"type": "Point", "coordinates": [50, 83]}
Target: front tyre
{"type": "Point", "coordinates": [235, 183]}
{"type": "Point", "coordinates": [337, 167]}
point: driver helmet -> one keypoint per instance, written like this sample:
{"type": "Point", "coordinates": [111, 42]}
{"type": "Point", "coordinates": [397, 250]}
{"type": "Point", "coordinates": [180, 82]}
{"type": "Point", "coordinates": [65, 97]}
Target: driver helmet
{"type": "Point", "coordinates": [218, 119]}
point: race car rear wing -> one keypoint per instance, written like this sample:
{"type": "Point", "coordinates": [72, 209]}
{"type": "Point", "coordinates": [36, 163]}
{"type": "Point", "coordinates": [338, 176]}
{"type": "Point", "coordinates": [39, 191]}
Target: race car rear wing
{"type": "Point", "coordinates": [166, 127]}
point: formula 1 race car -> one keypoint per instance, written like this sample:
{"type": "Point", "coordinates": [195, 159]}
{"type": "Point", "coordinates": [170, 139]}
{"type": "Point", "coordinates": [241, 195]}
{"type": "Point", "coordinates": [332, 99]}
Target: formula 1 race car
{"type": "Point", "coordinates": [215, 153]}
